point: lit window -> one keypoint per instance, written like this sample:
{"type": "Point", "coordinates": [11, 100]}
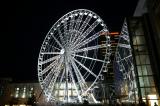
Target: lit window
{"type": "Point", "coordinates": [31, 92]}
{"type": "Point", "coordinates": [24, 92]}
{"type": "Point", "coordinates": [23, 96]}
{"type": "Point", "coordinates": [16, 92]}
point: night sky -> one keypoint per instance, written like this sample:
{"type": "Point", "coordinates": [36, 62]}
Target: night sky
{"type": "Point", "coordinates": [25, 24]}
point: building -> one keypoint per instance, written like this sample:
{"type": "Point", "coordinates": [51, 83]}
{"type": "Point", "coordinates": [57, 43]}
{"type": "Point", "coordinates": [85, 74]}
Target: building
{"type": "Point", "coordinates": [29, 93]}
{"type": "Point", "coordinates": [144, 31]}
{"type": "Point", "coordinates": [108, 71]}
{"type": "Point", "coordinates": [20, 93]}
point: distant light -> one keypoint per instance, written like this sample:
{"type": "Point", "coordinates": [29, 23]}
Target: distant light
{"type": "Point", "coordinates": [31, 88]}
{"type": "Point", "coordinates": [96, 86]}
{"type": "Point", "coordinates": [90, 15]}
{"type": "Point", "coordinates": [109, 44]}
{"type": "Point", "coordinates": [51, 33]}
{"type": "Point", "coordinates": [85, 13]}
{"type": "Point", "coordinates": [80, 13]}
{"type": "Point", "coordinates": [16, 96]}
{"type": "Point", "coordinates": [66, 18]}
{"type": "Point", "coordinates": [95, 16]}
{"type": "Point", "coordinates": [22, 105]}
{"type": "Point", "coordinates": [76, 14]}
{"type": "Point", "coordinates": [102, 24]}
{"type": "Point", "coordinates": [108, 37]}
{"type": "Point", "coordinates": [99, 20]}
{"type": "Point", "coordinates": [23, 96]}
{"type": "Point", "coordinates": [105, 70]}
{"type": "Point", "coordinates": [114, 33]}
{"type": "Point", "coordinates": [71, 16]}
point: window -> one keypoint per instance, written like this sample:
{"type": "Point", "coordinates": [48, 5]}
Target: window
{"type": "Point", "coordinates": [151, 81]}
{"type": "Point", "coordinates": [149, 70]}
{"type": "Point", "coordinates": [16, 92]}
{"type": "Point", "coordinates": [141, 81]}
{"type": "Point", "coordinates": [31, 92]}
{"type": "Point", "coordinates": [137, 60]}
{"type": "Point", "coordinates": [143, 91]}
{"type": "Point", "coordinates": [146, 81]}
{"type": "Point", "coordinates": [24, 92]}
{"type": "Point", "coordinates": [139, 71]}
{"type": "Point", "coordinates": [1, 90]}
{"type": "Point", "coordinates": [144, 59]}
{"type": "Point", "coordinates": [138, 40]}
{"type": "Point", "coordinates": [144, 70]}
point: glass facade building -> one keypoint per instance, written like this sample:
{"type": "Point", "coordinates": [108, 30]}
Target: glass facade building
{"type": "Point", "coordinates": [143, 61]}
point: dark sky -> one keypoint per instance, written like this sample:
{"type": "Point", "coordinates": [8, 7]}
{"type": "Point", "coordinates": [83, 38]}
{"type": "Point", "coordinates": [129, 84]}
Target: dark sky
{"type": "Point", "coordinates": [26, 23]}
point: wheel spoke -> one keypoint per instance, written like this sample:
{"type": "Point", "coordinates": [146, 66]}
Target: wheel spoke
{"type": "Point", "coordinates": [90, 48]}
{"type": "Point", "coordinates": [61, 38]}
{"type": "Point", "coordinates": [57, 41]}
{"type": "Point", "coordinates": [85, 23]}
{"type": "Point", "coordinates": [79, 76]}
{"type": "Point", "coordinates": [125, 58]}
{"type": "Point", "coordinates": [65, 27]}
{"type": "Point", "coordinates": [90, 29]}
{"type": "Point", "coordinates": [85, 67]}
{"type": "Point", "coordinates": [77, 25]}
{"type": "Point", "coordinates": [50, 59]}
{"type": "Point", "coordinates": [78, 21]}
{"type": "Point", "coordinates": [53, 64]}
{"type": "Point", "coordinates": [72, 22]}
{"type": "Point", "coordinates": [88, 58]}
{"type": "Point", "coordinates": [83, 26]}
{"type": "Point", "coordinates": [74, 83]}
{"type": "Point", "coordinates": [54, 78]}
{"type": "Point", "coordinates": [49, 75]}
{"type": "Point", "coordinates": [88, 40]}
{"type": "Point", "coordinates": [51, 52]}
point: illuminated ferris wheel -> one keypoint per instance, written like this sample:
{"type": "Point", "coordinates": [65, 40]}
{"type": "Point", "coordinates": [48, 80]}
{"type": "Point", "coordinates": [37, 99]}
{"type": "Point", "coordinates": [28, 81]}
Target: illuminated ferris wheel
{"type": "Point", "coordinates": [68, 63]}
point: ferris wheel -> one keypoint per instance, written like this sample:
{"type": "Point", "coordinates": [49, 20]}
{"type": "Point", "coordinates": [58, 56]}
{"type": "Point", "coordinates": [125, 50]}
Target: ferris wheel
{"type": "Point", "coordinates": [68, 63]}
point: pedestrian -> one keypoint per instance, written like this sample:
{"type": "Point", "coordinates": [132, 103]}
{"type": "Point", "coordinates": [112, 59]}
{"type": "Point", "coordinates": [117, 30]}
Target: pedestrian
{"type": "Point", "coordinates": [155, 104]}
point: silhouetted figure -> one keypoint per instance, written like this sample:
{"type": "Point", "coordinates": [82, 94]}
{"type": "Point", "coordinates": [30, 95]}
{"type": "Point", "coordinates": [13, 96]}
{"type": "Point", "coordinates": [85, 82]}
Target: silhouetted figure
{"type": "Point", "coordinates": [155, 104]}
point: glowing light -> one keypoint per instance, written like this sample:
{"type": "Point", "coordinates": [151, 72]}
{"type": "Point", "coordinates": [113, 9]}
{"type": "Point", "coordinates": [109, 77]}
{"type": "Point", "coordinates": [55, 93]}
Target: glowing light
{"type": "Point", "coordinates": [22, 105]}
{"type": "Point", "coordinates": [90, 15]}
{"type": "Point", "coordinates": [80, 13]}
{"type": "Point", "coordinates": [85, 13]}
{"type": "Point", "coordinates": [23, 96]}
{"type": "Point", "coordinates": [152, 99]}
{"type": "Point", "coordinates": [102, 24]}
{"type": "Point", "coordinates": [95, 16]}
{"type": "Point", "coordinates": [31, 88]}
{"type": "Point", "coordinates": [114, 33]}
{"type": "Point", "coordinates": [16, 95]}
{"type": "Point", "coordinates": [99, 20]}
{"type": "Point", "coordinates": [76, 14]}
